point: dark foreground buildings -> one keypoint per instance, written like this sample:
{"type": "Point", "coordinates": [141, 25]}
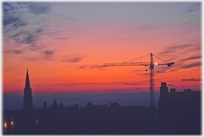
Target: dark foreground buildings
{"type": "Point", "coordinates": [177, 113]}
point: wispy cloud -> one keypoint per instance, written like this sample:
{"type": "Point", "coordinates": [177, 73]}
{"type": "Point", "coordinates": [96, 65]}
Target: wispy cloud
{"type": "Point", "coordinates": [130, 84]}
{"type": "Point", "coordinates": [20, 21]}
{"type": "Point", "coordinates": [197, 64]}
{"type": "Point", "coordinates": [10, 19]}
{"type": "Point", "coordinates": [96, 66]}
{"type": "Point", "coordinates": [162, 69]}
{"type": "Point", "coordinates": [13, 51]}
{"type": "Point", "coordinates": [181, 55]}
{"type": "Point", "coordinates": [196, 6]}
{"type": "Point", "coordinates": [176, 48]}
{"type": "Point", "coordinates": [39, 57]}
{"type": "Point", "coordinates": [72, 60]}
{"type": "Point", "coordinates": [36, 47]}
{"type": "Point", "coordinates": [34, 59]}
{"type": "Point", "coordinates": [29, 39]}
{"type": "Point", "coordinates": [116, 83]}
{"type": "Point", "coordinates": [48, 55]}
{"type": "Point", "coordinates": [191, 58]}
{"type": "Point", "coordinates": [39, 8]}
{"type": "Point", "coordinates": [177, 66]}
{"type": "Point", "coordinates": [81, 67]}
{"type": "Point", "coordinates": [49, 52]}
{"type": "Point", "coordinates": [91, 67]}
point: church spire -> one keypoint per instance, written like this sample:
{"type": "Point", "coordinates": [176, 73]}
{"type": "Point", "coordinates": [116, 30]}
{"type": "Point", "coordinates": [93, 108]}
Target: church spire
{"type": "Point", "coordinates": [27, 84]}
{"type": "Point", "coordinates": [27, 99]}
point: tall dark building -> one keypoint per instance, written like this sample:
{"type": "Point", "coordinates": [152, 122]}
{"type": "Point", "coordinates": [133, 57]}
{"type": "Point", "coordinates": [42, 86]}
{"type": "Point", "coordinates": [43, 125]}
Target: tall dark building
{"type": "Point", "coordinates": [27, 99]}
{"type": "Point", "coordinates": [179, 112]}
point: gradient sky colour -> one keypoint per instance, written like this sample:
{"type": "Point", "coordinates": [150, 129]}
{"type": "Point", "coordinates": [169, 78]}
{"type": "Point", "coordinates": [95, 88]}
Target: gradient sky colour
{"type": "Point", "coordinates": [65, 44]}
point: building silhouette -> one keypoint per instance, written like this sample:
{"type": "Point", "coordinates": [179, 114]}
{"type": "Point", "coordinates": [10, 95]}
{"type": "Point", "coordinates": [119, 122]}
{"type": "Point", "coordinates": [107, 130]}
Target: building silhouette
{"type": "Point", "coordinates": [27, 99]}
{"type": "Point", "coordinates": [54, 106]}
{"type": "Point", "coordinates": [44, 107]}
{"type": "Point", "coordinates": [177, 113]}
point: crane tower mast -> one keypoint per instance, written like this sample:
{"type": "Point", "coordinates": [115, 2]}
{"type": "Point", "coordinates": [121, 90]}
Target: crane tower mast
{"type": "Point", "coordinates": [151, 67]}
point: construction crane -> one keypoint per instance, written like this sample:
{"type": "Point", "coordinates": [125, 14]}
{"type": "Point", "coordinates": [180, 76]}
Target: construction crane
{"type": "Point", "coordinates": [151, 65]}
{"type": "Point", "coordinates": [192, 79]}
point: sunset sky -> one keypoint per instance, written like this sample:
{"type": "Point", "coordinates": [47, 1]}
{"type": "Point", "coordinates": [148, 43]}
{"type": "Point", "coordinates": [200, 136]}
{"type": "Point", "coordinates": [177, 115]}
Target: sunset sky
{"type": "Point", "coordinates": [65, 44]}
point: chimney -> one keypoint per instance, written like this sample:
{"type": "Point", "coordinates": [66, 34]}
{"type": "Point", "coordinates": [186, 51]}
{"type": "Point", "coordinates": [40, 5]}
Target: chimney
{"type": "Point", "coordinates": [44, 106]}
{"type": "Point", "coordinates": [163, 88]}
{"type": "Point", "coordinates": [172, 90]}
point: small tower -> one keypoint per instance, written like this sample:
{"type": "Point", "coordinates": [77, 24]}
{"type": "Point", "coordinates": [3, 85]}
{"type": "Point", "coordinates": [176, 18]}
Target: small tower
{"type": "Point", "coordinates": [54, 106]}
{"type": "Point", "coordinates": [163, 89]}
{"type": "Point", "coordinates": [27, 99]}
{"type": "Point", "coordinates": [44, 106]}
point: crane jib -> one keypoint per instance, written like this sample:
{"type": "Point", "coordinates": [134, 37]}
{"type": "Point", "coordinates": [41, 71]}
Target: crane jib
{"type": "Point", "coordinates": [127, 63]}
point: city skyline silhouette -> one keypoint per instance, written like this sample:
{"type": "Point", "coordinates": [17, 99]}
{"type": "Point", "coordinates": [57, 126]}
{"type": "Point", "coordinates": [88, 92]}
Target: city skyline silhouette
{"type": "Point", "coordinates": [177, 113]}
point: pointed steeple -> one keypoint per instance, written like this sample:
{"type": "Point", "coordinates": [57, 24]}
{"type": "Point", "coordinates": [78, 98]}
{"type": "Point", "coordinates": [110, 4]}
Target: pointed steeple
{"type": "Point", "coordinates": [54, 104]}
{"type": "Point", "coordinates": [27, 99]}
{"type": "Point", "coordinates": [27, 84]}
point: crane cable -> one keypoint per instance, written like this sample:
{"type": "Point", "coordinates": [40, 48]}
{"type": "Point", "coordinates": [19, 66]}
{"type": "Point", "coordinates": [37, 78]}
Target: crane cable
{"type": "Point", "coordinates": [146, 56]}
{"type": "Point", "coordinates": [160, 58]}
{"type": "Point", "coordinates": [137, 58]}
